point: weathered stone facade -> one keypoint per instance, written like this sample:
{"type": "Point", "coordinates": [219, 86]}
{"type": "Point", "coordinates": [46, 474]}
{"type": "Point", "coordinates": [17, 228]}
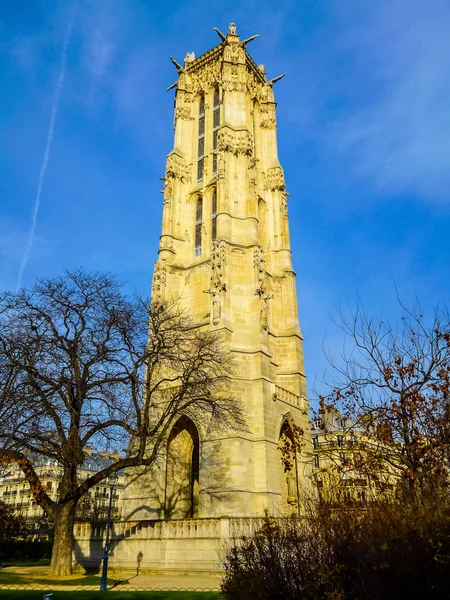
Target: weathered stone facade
{"type": "Point", "coordinates": [225, 251]}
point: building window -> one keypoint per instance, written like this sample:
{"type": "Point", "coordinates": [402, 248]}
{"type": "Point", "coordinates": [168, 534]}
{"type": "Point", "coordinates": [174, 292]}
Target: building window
{"type": "Point", "coordinates": [216, 125]}
{"type": "Point", "coordinates": [340, 440]}
{"type": "Point", "coordinates": [201, 138]}
{"type": "Point", "coordinates": [342, 458]}
{"type": "Point", "coordinates": [214, 216]}
{"type": "Point", "coordinates": [198, 227]}
{"type": "Point", "coordinates": [316, 461]}
{"type": "Point", "coordinates": [316, 443]}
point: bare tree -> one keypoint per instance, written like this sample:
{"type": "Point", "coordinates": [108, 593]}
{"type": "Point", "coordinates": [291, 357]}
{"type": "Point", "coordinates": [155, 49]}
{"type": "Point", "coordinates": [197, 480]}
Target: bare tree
{"type": "Point", "coordinates": [82, 364]}
{"type": "Point", "coordinates": [394, 383]}
{"type": "Point", "coordinates": [13, 524]}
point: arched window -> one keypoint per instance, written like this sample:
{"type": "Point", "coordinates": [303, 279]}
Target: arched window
{"type": "Point", "coordinates": [216, 125]}
{"type": "Point", "coordinates": [214, 215]}
{"type": "Point", "coordinates": [182, 474]}
{"type": "Point", "coordinates": [201, 138]}
{"type": "Point", "coordinates": [198, 227]}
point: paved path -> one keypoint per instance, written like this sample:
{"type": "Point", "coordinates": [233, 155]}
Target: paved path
{"type": "Point", "coordinates": [174, 581]}
{"type": "Point", "coordinates": [183, 581]}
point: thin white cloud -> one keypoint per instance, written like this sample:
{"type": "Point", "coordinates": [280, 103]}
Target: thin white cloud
{"type": "Point", "coordinates": [399, 138]}
{"type": "Point", "coordinates": [48, 145]}
{"type": "Point", "coordinates": [100, 53]}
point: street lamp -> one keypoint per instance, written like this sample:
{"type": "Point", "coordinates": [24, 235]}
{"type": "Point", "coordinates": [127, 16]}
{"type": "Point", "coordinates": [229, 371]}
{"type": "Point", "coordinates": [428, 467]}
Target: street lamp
{"type": "Point", "coordinates": [112, 480]}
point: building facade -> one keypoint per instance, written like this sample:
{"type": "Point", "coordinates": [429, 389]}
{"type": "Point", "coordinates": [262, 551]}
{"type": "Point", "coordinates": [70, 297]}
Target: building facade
{"type": "Point", "coordinates": [15, 490]}
{"type": "Point", "coordinates": [351, 467]}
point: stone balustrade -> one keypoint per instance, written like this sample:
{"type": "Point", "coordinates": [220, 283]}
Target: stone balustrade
{"type": "Point", "coordinates": [179, 545]}
{"type": "Point", "coordinates": [290, 398]}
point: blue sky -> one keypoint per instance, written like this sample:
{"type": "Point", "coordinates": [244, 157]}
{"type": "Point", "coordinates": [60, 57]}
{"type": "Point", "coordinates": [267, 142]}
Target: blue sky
{"type": "Point", "coordinates": [364, 139]}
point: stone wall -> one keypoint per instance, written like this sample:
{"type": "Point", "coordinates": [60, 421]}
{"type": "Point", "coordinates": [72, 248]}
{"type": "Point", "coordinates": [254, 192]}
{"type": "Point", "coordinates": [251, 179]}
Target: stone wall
{"type": "Point", "coordinates": [191, 545]}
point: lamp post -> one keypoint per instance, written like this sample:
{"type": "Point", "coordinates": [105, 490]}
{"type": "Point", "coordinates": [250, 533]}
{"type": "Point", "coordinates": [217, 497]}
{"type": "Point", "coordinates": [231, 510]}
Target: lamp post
{"type": "Point", "coordinates": [112, 480]}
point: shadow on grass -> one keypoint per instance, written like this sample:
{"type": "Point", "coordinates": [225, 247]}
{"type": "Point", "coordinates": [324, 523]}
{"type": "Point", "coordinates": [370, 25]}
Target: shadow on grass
{"type": "Point", "coordinates": [8, 578]}
{"type": "Point", "coordinates": [42, 562]}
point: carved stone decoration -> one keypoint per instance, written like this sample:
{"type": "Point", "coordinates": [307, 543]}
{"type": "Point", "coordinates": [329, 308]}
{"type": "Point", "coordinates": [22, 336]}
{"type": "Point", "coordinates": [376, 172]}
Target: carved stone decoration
{"type": "Point", "coordinates": [234, 86]}
{"type": "Point", "coordinates": [220, 168]}
{"type": "Point", "coordinates": [275, 179]}
{"type": "Point", "coordinates": [218, 262]}
{"type": "Point", "coordinates": [259, 262]}
{"type": "Point", "coordinates": [263, 286]}
{"type": "Point", "coordinates": [217, 284]}
{"type": "Point", "coordinates": [236, 142]}
{"type": "Point", "coordinates": [264, 313]}
{"type": "Point", "coordinates": [176, 167]}
{"type": "Point", "coordinates": [185, 83]}
{"type": "Point", "coordinates": [216, 311]}
{"type": "Point", "coordinates": [268, 120]}
{"type": "Point", "coordinates": [166, 244]}
{"type": "Point", "coordinates": [159, 281]}
{"type": "Point", "coordinates": [168, 191]}
{"type": "Point", "coordinates": [234, 53]}
{"type": "Point", "coordinates": [283, 204]}
{"type": "Point", "coordinates": [207, 77]}
{"type": "Point", "coordinates": [184, 112]}
{"type": "Point", "coordinates": [269, 123]}
{"type": "Point", "coordinates": [190, 57]}
{"type": "Point", "coordinates": [265, 94]}
{"type": "Point", "coordinates": [252, 85]}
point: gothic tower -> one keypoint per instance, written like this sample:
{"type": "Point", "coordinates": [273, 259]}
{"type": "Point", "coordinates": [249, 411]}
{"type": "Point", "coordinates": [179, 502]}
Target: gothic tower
{"type": "Point", "coordinates": [225, 251]}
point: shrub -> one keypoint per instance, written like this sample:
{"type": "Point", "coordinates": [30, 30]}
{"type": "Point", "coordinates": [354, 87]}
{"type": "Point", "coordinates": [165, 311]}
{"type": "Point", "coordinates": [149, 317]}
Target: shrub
{"type": "Point", "coordinates": [388, 551]}
{"type": "Point", "coordinates": [12, 550]}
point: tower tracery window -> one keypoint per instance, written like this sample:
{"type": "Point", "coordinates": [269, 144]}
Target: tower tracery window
{"type": "Point", "coordinates": [201, 138]}
{"type": "Point", "coordinates": [216, 125]}
{"type": "Point", "coordinates": [214, 215]}
{"type": "Point", "coordinates": [198, 227]}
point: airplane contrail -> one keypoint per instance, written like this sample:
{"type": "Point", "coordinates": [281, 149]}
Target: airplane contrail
{"type": "Point", "coordinates": [48, 145]}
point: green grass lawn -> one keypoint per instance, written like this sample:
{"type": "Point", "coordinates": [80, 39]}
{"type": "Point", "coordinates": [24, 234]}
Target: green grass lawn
{"type": "Point", "coordinates": [91, 595]}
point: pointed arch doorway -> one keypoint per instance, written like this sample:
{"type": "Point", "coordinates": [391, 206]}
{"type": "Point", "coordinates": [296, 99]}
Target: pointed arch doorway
{"type": "Point", "coordinates": [182, 471]}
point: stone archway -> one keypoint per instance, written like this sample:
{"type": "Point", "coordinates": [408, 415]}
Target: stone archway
{"type": "Point", "coordinates": [182, 471]}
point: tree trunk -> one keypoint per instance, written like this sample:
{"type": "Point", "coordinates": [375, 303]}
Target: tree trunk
{"type": "Point", "coordinates": [61, 563]}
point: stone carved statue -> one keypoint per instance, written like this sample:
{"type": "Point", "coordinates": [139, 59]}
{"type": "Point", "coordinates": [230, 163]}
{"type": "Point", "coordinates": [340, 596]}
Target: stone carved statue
{"type": "Point", "coordinates": [216, 311]}
{"type": "Point", "coordinates": [291, 481]}
{"type": "Point", "coordinates": [217, 285]}
{"type": "Point", "coordinates": [264, 316]}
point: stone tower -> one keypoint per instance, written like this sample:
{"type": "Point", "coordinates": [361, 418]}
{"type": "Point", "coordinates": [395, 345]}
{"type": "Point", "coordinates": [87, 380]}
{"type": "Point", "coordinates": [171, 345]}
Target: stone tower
{"type": "Point", "coordinates": [225, 251]}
